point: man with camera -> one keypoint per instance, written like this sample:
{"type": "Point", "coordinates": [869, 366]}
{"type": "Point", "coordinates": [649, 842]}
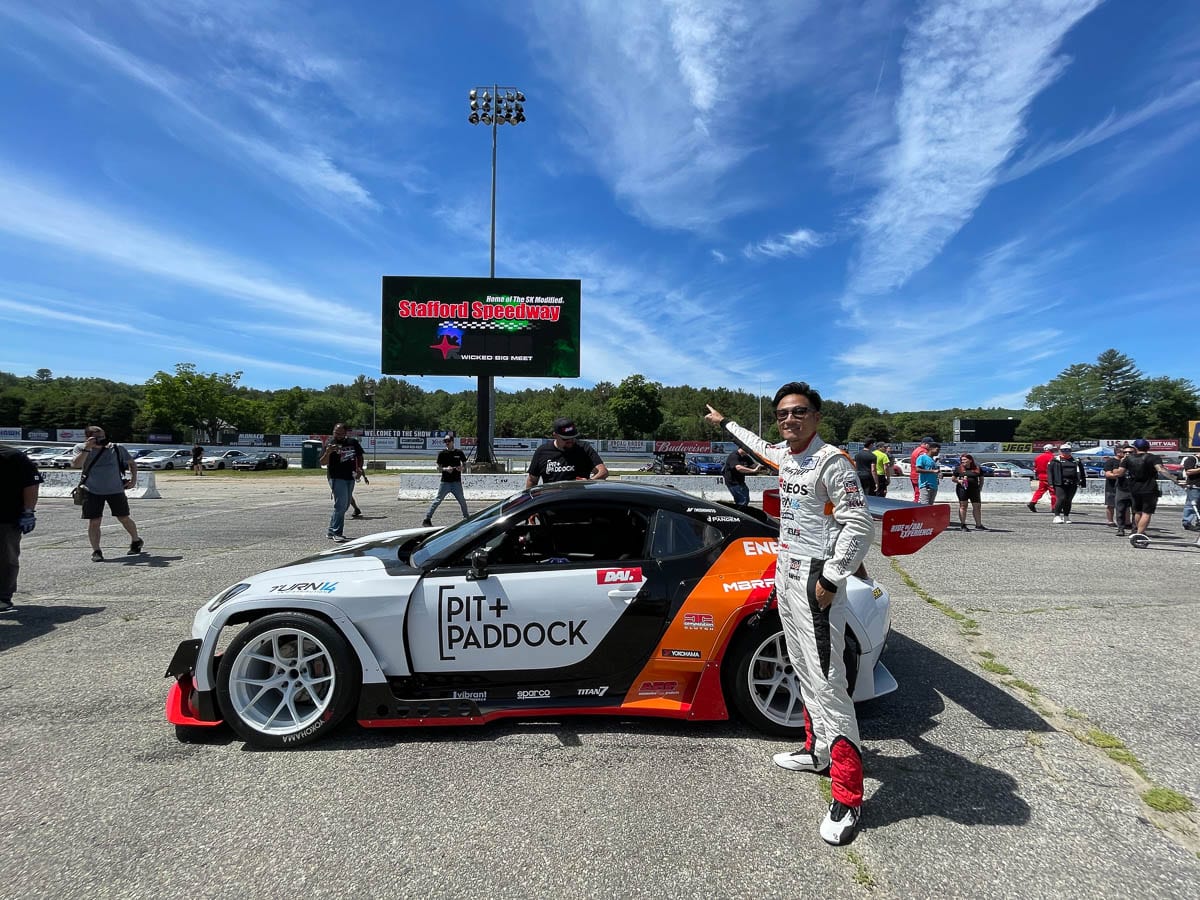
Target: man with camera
{"type": "Point", "coordinates": [108, 472]}
{"type": "Point", "coordinates": [343, 460]}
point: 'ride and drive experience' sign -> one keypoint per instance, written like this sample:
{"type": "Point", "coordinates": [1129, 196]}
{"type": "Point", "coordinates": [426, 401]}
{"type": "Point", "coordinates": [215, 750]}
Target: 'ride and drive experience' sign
{"type": "Point", "coordinates": [480, 326]}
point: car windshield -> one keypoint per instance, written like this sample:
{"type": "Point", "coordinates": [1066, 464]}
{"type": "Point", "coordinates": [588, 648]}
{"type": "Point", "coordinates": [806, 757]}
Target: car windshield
{"type": "Point", "coordinates": [445, 542]}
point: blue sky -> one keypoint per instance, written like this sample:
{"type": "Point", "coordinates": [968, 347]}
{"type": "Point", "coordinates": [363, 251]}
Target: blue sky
{"type": "Point", "coordinates": [910, 205]}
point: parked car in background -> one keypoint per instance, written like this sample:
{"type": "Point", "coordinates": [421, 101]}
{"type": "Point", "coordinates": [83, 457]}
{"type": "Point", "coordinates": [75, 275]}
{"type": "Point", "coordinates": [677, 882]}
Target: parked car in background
{"type": "Point", "coordinates": [166, 459]}
{"type": "Point", "coordinates": [43, 456]}
{"type": "Point", "coordinates": [221, 460]}
{"type": "Point", "coordinates": [1004, 469]}
{"type": "Point", "coordinates": [30, 451]}
{"type": "Point", "coordinates": [60, 460]}
{"type": "Point", "coordinates": [669, 463]}
{"type": "Point", "coordinates": [705, 464]}
{"type": "Point", "coordinates": [259, 461]}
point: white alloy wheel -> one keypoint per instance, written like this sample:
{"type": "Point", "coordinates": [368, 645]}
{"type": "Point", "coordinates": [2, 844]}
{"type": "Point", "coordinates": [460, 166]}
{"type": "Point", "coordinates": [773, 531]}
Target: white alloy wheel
{"type": "Point", "coordinates": [282, 681]}
{"type": "Point", "coordinates": [774, 687]}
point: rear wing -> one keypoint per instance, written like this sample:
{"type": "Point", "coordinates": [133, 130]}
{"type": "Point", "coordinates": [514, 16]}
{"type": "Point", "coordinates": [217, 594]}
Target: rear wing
{"type": "Point", "coordinates": [905, 527]}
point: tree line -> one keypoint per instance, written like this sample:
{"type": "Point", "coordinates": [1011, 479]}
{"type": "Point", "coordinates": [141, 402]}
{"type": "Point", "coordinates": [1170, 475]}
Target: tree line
{"type": "Point", "coordinates": [1109, 397]}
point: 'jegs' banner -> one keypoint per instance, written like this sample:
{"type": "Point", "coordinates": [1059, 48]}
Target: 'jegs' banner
{"type": "Point", "coordinates": [480, 326]}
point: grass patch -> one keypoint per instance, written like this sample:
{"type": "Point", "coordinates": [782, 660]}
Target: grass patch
{"type": "Point", "coordinates": [1022, 685]}
{"type": "Point", "coordinates": [966, 623]}
{"type": "Point", "coordinates": [1038, 609]}
{"type": "Point", "coordinates": [1103, 740]}
{"type": "Point", "coordinates": [1073, 713]}
{"type": "Point", "coordinates": [996, 668]}
{"type": "Point", "coordinates": [1166, 800]}
{"type": "Point", "coordinates": [1125, 758]}
{"type": "Point", "coordinates": [986, 654]}
{"type": "Point", "coordinates": [1033, 739]}
{"type": "Point", "coordinates": [827, 790]}
{"type": "Point", "coordinates": [862, 874]}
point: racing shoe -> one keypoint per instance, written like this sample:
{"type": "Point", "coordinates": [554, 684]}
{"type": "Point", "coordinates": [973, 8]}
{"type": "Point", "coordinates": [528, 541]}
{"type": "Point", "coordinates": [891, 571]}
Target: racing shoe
{"type": "Point", "coordinates": [800, 761]}
{"type": "Point", "coordinates": [841, 823]}
{"type": "Point", "coordinates": [135, 546]}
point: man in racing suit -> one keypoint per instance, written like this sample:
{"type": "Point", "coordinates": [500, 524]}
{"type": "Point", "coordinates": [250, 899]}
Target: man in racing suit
{"type": "Point", "coordinates": [825, 532]}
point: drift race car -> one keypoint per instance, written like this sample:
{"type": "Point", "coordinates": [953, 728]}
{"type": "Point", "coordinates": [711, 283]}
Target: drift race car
{"type": "Point", "coordinates": [572, 598]}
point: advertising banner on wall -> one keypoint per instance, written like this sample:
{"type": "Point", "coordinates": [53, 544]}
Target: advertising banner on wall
{"type": "Point", "coordinates": [71, 434]}
{"type": "Point", "coordinates": [10, 434]}
{"type": "Point", "coordinates": [292, 441]}
{"type": "Point", "coordinates": [480, 326]}
{"type": "Point", "coordinates": [683, 446]}
{"type": "Point", "coordinates": [516, 443]}
{"type": "Point", "coordinates": [38, 434]}
{"type": "Point", "coordinates": [377, 443]}
{"type": "Point", "coordinates": [627, 446]}
{"type": "Point", "coordinates": [160, 438]}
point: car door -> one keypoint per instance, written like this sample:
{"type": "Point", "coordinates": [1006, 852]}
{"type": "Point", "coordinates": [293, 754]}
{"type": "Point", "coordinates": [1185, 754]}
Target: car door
{"type": "Point", "coordinates": [569, 602]}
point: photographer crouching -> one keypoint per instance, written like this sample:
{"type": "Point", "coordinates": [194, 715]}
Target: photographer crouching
{"type": "Point", "coordinates": [343, 460]}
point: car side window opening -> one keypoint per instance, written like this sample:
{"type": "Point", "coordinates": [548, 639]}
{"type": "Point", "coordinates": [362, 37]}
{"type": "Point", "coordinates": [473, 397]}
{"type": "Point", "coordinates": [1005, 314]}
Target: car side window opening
{"type": "Point", "coordinates": [678, 535]}
{"type": "Point", "coordinates": [570, 535]}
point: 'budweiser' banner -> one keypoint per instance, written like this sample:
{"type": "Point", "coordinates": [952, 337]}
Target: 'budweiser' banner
{"type": "Point", "coordinates": [683, 446]}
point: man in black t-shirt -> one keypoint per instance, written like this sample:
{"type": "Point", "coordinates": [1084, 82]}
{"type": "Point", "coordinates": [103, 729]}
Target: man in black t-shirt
{"type": "Point", "coordinates": [450, 463]}
{"type": "Point", "coordinates": [865, 465]}
{"type": "Point", "coordinates": [1190, 471]}
{"type": "Point", "coordinates": [1116, 491]}
{"type": "Point", "coordinates": [19, 480]}
{"type": "Point", "coordinates": [566, 458]}
{"type": "Point", "coordinates": [343, 459]}
{"type": "Point", "coordinates": [737, 466]}
{"type": "Point", "coordinates": [1142, 469]}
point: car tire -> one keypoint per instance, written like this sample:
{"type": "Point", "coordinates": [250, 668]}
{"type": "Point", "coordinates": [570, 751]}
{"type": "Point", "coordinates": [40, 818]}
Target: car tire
{"type": "Point", "coordinates": [263, 690]}
{"type": "Point", "coordinates": [169, 465]}
{"type": "Point", "coordinates": [760, 683]}
{"type": "Point", "coordinates": [220, 465]}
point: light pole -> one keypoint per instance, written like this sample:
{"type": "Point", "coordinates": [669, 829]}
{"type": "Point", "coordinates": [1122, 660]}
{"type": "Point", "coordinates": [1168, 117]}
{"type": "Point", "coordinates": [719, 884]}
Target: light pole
{"type": "Point", "coordinates": [370, 386]}
{"type": "Point", "coordinates": [494, 106]}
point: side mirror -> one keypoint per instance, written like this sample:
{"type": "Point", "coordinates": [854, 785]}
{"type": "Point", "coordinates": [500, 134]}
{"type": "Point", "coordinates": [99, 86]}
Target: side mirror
{"type": "Point", "coordinates": [478, 570]}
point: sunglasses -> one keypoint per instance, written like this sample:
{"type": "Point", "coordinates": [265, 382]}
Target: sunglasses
{"type": "Point", "coordinates": [796, 412]}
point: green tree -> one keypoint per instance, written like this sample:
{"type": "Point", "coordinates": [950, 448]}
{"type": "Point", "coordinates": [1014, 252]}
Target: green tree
{"type": "Point", "coordinates": [870, 426]}
{"type": "Point", "coordinates": [636, 405]}
{"type": "Point", "coordinates": [192, 400]}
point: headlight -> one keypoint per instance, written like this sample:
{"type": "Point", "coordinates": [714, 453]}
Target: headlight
{"type": "Point", "coordinates": [226, 595]}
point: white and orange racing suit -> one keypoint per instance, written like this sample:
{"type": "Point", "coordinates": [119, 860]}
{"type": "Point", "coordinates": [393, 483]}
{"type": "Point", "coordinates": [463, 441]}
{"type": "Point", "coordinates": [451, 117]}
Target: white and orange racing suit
{"type": "Point", "coordinates": [825, 531]}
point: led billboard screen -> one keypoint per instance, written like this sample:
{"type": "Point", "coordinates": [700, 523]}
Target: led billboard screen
{"type": "Point", "coordinates": [480, 326]}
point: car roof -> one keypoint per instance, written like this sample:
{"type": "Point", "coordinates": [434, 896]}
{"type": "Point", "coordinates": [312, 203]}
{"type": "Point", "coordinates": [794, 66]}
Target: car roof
{"type": "Point", "coordinates": [624, 492]}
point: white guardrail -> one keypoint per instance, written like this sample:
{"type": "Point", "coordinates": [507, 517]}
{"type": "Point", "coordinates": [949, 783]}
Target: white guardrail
{"type": "Point", "coordinates": [60, 483]}
{"type": "Point", "coordinates": [712, 487]}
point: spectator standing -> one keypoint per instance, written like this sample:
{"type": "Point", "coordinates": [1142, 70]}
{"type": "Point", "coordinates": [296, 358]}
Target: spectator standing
{"type": "Point", "coordinates": [1143, 468]}
{"type": "Point", "coordinates": [197, 460]}
{"type": "Point", "coordinates": [968, 485]}
{"type": "Point", "coordinates": [1065, 475]}
{"type": "Point", "coordinates": [883, 469]}
{"type": "Point", "coordinates": [1122, 499]}
{"type": "Point", "coordinates": [1190, 472]}
{"type": "Point", "coordinates": [1108, 464]}
{"type": "Point", "coordinates": [928, 473]}
{"type": "Point", "coordinates": [825, 531]}
{"type": "Point", "coordinates": [343, 458]}
{"type": "Point", "coordinates": [450, 462]}
{"type": "Point", "coordinates": [1041, 464]}
{"type": "Point", "coordinates": [19, 480]}
{"type": "Point", "coordinates": [737, 466]}
{"type": "Point", "coordinates": [108, 472]}
{"type": "Point", "coordinates": [922, 447]}
{"type": "Point", "coordinates": [865, 464]}
{"type": "Point", "coordinates": [565, 458]}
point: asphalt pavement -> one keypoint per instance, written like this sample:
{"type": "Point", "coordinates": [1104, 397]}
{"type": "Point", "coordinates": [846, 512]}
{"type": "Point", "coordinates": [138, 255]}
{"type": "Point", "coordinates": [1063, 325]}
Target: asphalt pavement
{"type": "Point", "coordinates": [979, 783]}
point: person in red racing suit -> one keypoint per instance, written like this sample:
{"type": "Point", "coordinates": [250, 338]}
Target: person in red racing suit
{"type": "Point", "coordinates": [825, 531]}
{"type": "Point", "coordinates": [1041, 471]}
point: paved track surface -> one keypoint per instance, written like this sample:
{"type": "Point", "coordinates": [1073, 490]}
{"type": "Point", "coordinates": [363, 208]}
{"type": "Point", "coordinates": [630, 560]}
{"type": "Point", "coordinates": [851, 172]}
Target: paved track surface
{"type": "Point", "coordinates": [975, 787]}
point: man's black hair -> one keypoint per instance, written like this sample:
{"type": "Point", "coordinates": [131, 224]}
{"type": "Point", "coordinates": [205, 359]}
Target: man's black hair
{"type": "Point", "coordinates": [868, 442]}
{"type": "Point", "coordinates": [801, 388]}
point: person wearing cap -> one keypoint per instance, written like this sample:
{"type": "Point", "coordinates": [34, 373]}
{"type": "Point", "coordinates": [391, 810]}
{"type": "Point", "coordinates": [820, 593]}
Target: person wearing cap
{"type": "Point", "coordinates": [1066, 476]}
{"type": "Point", "coordinates": [921, 448]}
{"type": "Point", "coordinates": [1040, 465]}
{"type": "Point", "coordinates": [565, 458]}
{"type": "Point", "coordinates": [1190, 474]}
{"type": "Point", "coordinates": [1142, 468]}
{"type": "Point", "coordinates": [450, 462]}
{"type": "Point", "coordinates": [928, 472]}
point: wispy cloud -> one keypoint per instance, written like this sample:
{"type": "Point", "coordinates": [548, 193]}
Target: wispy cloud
{"type": "Point", "coordinates": [296, 159]}
{"type": "Point", "coordinates": [969, 71]}
{"type": "Point", "coordinates": [1111, 126]}
{"type": "Point", "coordinates": [44, 215]}
{"type": "Point", "coordinates": [800, 242]}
